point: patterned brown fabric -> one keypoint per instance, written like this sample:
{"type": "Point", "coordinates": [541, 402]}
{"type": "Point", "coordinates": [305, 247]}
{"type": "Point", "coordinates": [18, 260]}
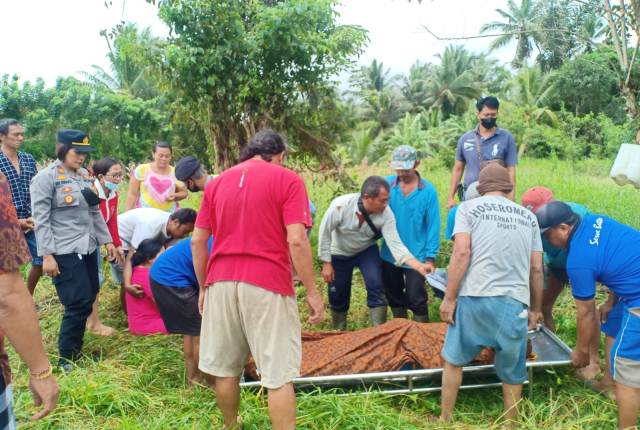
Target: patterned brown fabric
{"type": "Point", "coordinates": [383, 348]}
{"type": "Point", "coordinates": [13, 247]}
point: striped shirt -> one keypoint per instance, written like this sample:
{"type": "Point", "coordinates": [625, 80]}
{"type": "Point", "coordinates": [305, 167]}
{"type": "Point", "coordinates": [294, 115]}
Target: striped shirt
{"type": "Point", "coordinates": [19, 182]}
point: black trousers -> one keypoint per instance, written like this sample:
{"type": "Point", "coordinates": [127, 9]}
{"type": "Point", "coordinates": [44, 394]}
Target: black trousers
{"type": "Point", "coordinates": [405, 288]}
{"type": "Point", "coordinates": [368, 261]}
{"type": "Point", "coordinates": [77, 286]}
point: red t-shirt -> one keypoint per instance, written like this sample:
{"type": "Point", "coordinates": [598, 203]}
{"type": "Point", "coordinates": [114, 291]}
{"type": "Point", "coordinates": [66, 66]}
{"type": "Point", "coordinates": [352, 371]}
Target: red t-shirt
{"type": "Point", "coordinates": [247, 209]}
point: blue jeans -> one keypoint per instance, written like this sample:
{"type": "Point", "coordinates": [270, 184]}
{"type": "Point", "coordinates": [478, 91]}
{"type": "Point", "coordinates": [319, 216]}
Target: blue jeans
{"type": "Point", "coordinates": [370, 265]}
{"type": "Point", "coordinates": [30, 237]}
{"type": "Point", "coordinates": [7, 417]}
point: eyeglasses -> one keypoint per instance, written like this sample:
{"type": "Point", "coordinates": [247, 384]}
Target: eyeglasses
{"type": "Point", "coordinates": [116, 176]}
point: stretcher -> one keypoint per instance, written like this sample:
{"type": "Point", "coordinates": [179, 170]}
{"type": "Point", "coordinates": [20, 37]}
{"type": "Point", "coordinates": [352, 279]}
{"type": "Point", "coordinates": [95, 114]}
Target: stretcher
{"type": "Point", "coordinates": [548, 349]}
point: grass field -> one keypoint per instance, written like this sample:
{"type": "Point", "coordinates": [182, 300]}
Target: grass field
{"type": "Point", "coordinates": [129, 382]}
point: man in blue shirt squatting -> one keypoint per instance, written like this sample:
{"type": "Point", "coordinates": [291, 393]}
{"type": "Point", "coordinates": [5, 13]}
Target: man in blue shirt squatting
{"type": "Point", "coordinates": [414, 202]}
{"type": "Point", "coordinates": [485, 144]}
{"type": "Point", "coordinates": [175, 290]}
{"type": "Point", "coordinates": [555, 269]}
{"type": "Point", "coordinates": [600, 249]}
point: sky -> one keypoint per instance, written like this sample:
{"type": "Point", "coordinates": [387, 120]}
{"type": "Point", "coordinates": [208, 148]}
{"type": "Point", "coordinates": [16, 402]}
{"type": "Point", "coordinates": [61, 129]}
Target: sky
{"type": "Point", "coordinates": [51, 38]}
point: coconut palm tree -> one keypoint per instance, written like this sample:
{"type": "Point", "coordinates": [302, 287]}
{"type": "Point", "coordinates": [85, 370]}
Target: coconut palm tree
{"type": "Point", "coordinates": [128, 75]}
{"type": "Point", "coordinates": [373, 77]}
{"type": "Point", "coordinates": [593, 29]}
{"type": "Point", "coordinates": [415, 88]}
{"type": "Point", "coordinates": [454, 82]}
{"type": "Point", "coordinates": [531, 89]}
{"type": "Point", "coordinates": [384, 109]}
{"type": "Point", "coordinates": [382, 103]}
{"type": "Point", "coordinates": [520, 26]}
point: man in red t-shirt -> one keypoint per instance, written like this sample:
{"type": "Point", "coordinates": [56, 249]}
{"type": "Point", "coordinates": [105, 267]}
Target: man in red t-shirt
{"type": "Point", "coordinates": [258, 212]}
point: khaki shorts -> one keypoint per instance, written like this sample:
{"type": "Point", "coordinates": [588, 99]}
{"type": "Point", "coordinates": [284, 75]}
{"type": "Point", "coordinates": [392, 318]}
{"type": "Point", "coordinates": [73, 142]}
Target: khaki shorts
{"type": "Point", "coordinates": [241, 319]}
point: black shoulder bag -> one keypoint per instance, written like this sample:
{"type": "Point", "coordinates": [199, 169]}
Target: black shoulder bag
{"type": "Point", "coordinates": [377, 234]}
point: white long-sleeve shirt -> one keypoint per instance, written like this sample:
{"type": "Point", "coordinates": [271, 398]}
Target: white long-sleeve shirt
{"type": "Point", "coordinates": [342, 234]}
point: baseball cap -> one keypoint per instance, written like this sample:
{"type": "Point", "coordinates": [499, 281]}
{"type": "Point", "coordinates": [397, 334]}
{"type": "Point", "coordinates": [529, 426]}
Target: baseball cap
{"type": "Point", "coordinates": [536, 197]}
{"type": "Point", "coordinates": [404, 157]}
{"type": "Point", "coordinates": [554, 213]}
{"type": "Point", "coordinates": [186, 167]}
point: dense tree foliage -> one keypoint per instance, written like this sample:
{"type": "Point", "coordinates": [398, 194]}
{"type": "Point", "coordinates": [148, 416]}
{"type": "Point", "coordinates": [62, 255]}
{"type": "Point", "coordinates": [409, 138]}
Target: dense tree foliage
{"type": "Point", "coordinates": [240, 65]}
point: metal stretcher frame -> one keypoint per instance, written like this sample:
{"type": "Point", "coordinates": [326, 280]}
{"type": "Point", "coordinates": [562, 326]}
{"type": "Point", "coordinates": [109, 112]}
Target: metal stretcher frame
{"type": "Point", "coordinates": [551, 351]}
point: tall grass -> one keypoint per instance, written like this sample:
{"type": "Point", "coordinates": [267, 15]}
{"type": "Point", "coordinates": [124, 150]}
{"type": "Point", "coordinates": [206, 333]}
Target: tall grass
{"type": "Point", "coordinates": [130, 382]}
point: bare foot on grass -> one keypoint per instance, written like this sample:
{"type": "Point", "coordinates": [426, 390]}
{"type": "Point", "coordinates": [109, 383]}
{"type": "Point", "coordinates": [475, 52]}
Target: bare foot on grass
{"type": "Point", "coordinates": [200, 381]}
{"type": "Point", "coordinates": [604, 388]}
{"type": "Point", "coordinates": [101, 330]}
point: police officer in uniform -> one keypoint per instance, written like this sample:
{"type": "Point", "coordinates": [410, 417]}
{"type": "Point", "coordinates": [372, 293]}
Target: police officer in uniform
{"type": "Point", "coordinates": [69, 227]}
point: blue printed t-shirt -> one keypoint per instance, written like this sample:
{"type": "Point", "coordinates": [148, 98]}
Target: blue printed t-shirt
{"type": "Point", "coordinates": [606, 251]}
{"type": "Point", "coordinates": [499, 146]}
{"type": "Point", "coordinates": [556, 258]}
{"type": "Point", "coordinates": [174, 267]}
{"type": "Point", "coordinates": [451, 222]}
{"type": "Point", "coordinates": [417, 220]}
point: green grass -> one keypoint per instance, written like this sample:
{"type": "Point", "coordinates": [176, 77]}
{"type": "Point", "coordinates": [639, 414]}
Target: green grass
{"type": "Point", "coordinates": [129, 382]}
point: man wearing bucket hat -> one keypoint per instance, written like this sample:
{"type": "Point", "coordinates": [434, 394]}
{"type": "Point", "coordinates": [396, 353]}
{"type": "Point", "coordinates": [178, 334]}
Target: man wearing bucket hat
{"type": "Point", "coordinates": [69, 227]}
{"type": "Point", "coordinates": [414, 203]}
{"type": "Point", "coordinates": [600, 249]}
{"type": "Point", "coordinates": [494, 288]}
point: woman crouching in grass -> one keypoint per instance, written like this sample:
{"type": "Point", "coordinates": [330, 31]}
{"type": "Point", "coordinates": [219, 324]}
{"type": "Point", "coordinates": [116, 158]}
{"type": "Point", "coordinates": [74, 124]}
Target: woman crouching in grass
{"type": "Point", "coordinates": [142, 312]}
{"type": "Point", "coordinates": [175, 289]}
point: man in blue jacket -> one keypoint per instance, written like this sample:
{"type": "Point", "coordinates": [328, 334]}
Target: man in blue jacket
{"type": "Point", "coordinates": [600, 249]}
{"type": "Point", "coordinates": [414, 203]}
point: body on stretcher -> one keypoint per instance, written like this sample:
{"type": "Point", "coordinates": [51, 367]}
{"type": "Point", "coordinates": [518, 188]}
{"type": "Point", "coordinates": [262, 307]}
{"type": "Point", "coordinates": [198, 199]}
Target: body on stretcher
{"type": "Point", "coordinates": [409, 353]}
{"type": "Point", "coordinates": [547, 351]}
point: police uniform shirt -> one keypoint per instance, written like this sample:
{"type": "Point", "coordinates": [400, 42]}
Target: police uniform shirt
{"type": "Point", "coordinates": [64, 221]}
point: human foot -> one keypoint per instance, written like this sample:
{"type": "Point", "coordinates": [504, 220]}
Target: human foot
{"type": "Point", "coordinates": [198, 380]}
{"type": "Point", "coordinates": [101, 330]}
{"type": "Point", "coordinates": [604, 388]}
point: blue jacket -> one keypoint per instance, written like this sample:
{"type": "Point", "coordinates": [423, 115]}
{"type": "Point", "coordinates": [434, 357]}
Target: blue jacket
{"type": "Point", "coordinates": [417, 220]}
